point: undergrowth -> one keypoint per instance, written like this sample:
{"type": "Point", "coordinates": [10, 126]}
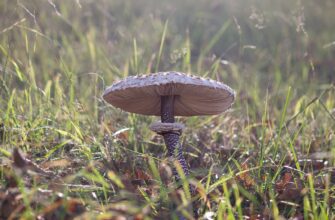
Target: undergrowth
{"type": "Point", "coordinates": [66, 154]}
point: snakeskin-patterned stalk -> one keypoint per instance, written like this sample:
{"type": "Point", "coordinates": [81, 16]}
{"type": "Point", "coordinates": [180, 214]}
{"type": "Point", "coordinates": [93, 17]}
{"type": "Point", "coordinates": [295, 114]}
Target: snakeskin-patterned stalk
{"type": "Point", "coordinates": [172, 138]}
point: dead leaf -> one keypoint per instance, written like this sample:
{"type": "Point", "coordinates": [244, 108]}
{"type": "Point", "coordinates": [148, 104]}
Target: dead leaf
{"type": "Point", "coordinates": [63, 208]}
{"type": "Point", "coordinates": [290, 188]}
{"type": "Point", "coordinates": [140, 174]}
{"type": "Point", "coordinates": [245, 177]}
{"type": "Point", "coordinates": [280, 185]}
{"type": "Point", "coordinates": [56, 163]}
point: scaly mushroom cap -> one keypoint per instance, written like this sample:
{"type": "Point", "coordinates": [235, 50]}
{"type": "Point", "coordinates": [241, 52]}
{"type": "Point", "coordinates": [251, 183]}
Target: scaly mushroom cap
{"type": "Point", "coordinates": [193, 95]}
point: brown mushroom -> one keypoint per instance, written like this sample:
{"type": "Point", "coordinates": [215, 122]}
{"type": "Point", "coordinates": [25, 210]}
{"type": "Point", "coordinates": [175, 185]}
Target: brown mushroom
{"type": "Point", "coordinates": [169, 94]}
{"type": "Point", "coordinates": [192, 95]}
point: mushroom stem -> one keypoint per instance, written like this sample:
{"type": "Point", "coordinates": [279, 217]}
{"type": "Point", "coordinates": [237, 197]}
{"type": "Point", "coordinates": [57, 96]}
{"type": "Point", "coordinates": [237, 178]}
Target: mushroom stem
{"type": "Point", "coordinates": [171, 138]}
{"type": "Point", "coordinates": [167, 109]}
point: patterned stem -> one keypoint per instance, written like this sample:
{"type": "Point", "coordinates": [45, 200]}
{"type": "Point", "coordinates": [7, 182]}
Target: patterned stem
{"type": "Point", "coordinates": [175, 152]}
{"type": "Point", "coordinates": [171, 140]}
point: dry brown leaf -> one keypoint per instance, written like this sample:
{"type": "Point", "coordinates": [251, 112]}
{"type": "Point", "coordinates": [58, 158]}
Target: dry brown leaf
{"type": "Point", "coordinates": [289, 188]}
{"type": "Point", "coordinates": [140, 174]}
{"type": "Point", "coordinates": [63, 209]}
{"type": "Point", "coordinates": [56, 163]}
{"type": "Point", "coordinates": [245, 177]}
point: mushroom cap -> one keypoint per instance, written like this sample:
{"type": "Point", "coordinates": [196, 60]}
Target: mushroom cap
{"type": "Point", "coordinates": [193, 95]}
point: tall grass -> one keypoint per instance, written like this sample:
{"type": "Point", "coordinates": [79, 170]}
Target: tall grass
{"type": "Point", "coordinates": [57, 57]}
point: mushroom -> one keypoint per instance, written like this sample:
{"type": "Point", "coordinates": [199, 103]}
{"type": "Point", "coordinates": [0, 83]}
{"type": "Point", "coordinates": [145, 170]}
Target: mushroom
{"type": "Point", "coordinates": [169, 94]}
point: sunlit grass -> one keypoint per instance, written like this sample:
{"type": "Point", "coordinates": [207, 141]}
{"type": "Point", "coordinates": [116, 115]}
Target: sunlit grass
{"type": "Point", "coordinates": [57, 57]}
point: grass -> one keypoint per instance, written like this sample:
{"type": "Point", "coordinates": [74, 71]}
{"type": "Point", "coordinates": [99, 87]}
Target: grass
{"type": "Point", "coordinates": [270, 156]}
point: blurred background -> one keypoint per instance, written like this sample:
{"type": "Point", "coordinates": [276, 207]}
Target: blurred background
{"type": "Point", "coordinates": [272, 40]}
